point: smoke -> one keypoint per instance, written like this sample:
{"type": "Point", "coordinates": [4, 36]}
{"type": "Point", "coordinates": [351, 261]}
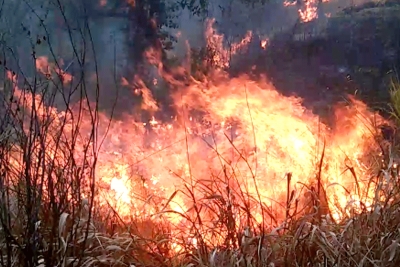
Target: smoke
{"type": "Point", "coordinates": [234, 18]}
{"type": "Point", "coordinates": [104, 41]}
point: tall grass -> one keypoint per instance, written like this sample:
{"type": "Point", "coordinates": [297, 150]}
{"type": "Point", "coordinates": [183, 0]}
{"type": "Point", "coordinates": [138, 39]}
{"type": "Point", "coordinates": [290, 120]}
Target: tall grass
{"type": "Point", "coordinates": [44, 218]}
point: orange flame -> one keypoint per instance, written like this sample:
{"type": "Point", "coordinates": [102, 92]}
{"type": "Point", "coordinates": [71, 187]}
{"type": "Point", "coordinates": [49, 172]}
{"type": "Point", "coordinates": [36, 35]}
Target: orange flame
{"type": "Point", "coordinates": [221, 56]}
{"type": "Point", "coordinates": [309, 10]}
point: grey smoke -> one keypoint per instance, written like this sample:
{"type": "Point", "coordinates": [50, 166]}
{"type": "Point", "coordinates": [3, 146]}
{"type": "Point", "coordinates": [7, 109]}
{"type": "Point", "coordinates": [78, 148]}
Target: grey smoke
{"type": "Point", "coordinates": [233, 19]}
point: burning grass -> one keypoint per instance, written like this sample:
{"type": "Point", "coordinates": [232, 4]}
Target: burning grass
{"type": "Point", "coordinates": [259, 189]}
{"type": "Point", "coordinates": [240, 176]}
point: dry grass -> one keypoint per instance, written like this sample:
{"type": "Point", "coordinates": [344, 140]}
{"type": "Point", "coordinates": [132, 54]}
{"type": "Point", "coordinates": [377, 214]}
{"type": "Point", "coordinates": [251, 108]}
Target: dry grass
{"type": "Point", "coordinates": [75, 237]}
{"type": "Point", "coordinates": [45, 221]}
{"type": "Point", "coordinates": [367, 239]}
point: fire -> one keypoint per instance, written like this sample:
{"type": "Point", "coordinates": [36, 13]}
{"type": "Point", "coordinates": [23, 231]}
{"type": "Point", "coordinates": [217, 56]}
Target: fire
{"type": "Point", "coordinates": [248, 139]}
{"type": "Point", "coordinates": [264, 44]}
{"type": "Point", "coordinates": [222, 56]}
{"type": "Point", "coordinates": [309, 12]}
{"type": "Point", "coordinates": [46, 68]}
{"type": "Point", "coordinates": [232, 141]}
